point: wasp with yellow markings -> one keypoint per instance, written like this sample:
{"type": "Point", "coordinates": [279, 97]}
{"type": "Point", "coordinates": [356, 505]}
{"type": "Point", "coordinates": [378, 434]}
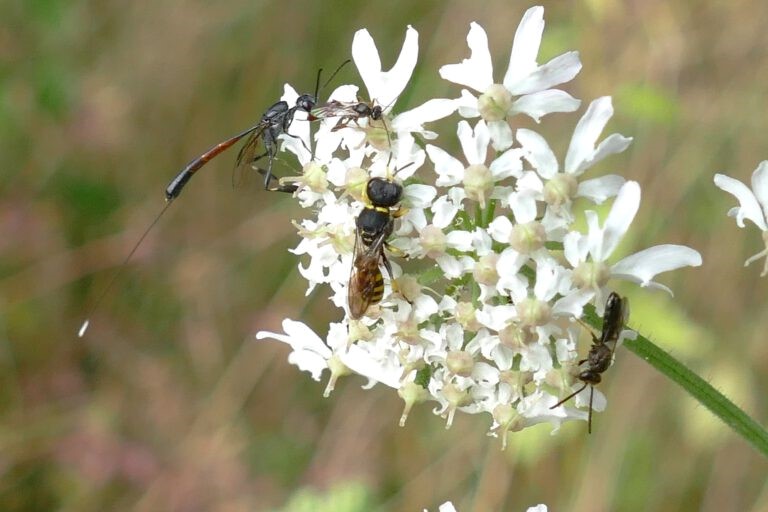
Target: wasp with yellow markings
{"type": "Point", "coordinates": [374, 225]}
{"type": "Point", "coordinates": [600, 356]}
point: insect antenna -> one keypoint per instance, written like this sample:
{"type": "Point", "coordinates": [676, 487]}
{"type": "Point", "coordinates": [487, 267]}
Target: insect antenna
{"type": "Point", "coordinates": [317, 89]}
{"type": "Point", "coordinates": [561, 402]}
{"type": "Point", "coordinates": [119, 271]}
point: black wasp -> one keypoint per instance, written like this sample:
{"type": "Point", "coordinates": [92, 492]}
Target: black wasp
{"type": "Point", "coordinates": [600, 356]}
{"type": "Point", "coordinates": [374, 225]}
{"type": "Point", "coordinates": [274, 122]}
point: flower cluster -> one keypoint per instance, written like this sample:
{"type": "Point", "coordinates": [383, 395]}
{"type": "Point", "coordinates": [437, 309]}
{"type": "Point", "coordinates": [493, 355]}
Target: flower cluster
{"type": "Point", "coordinates": [489, 273]}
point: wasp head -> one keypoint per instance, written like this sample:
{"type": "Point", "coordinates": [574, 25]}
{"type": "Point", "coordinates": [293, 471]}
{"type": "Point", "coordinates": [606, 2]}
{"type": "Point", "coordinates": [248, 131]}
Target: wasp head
{"type": "Point", "coordinates": [383, 192]}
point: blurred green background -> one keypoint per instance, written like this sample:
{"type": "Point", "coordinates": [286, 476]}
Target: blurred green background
{"type": "Point", "coordinates": [169, 404]}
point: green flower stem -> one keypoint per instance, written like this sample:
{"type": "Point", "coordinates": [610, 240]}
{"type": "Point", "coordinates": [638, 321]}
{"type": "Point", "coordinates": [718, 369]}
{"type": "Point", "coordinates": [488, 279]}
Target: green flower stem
{"type": "Point", "coordinates": [697, 387]}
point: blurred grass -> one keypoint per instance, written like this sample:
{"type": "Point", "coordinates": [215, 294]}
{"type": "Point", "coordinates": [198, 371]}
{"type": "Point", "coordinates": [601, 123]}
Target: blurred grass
{"type": "Point", "coordinates": [170, 405]}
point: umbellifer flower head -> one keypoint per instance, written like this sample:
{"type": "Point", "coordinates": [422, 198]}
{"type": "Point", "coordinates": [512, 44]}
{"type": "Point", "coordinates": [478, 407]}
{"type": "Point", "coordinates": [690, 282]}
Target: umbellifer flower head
{"type": "Point", "coordinates": [466, 290]}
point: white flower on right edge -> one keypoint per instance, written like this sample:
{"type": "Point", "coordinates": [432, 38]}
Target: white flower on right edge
{"type": "Point", "coordinates": [448, 507]}
{"type": "Point", "coordinates": [753, 205]}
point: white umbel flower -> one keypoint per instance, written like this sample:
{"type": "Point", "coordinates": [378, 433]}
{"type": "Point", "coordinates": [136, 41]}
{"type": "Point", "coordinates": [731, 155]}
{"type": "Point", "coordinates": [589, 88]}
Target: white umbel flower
{"type": "Point", "coordinates": [527, 87]}
{"type": "Point", "coordinates": [753, 205]}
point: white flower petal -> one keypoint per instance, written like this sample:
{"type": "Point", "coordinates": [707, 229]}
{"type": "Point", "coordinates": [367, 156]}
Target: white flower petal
{"type": "Point", "coordinates": [476, 71]}
{"type": "Point", "coordinates": [588, 129]}
{"type": "Point", "coordinates": [309, 352]}
{"type": "Point", "coordinates": [523, 206]}
{"type": "Point", "coordinates": [507, 164]}
{"type": "Point", "coordinates": [546, 282]}
{"type": "Point", "coordinates": [525, 46]}
{"type": "Point", "coordinates": [538, 153]}
{"type": "Point", "coordinates": [557, 71]}
{"type": "Point", "coordinates": [600, 189]}
{"type": "Point", "coordinates": [620, 217]}
{"type": "Point", "coordinates": [474, 142]}
{"type": "Point", "coordinates": [444, 212]}
{"type": "Point", "coordinates": [539, 104]}
{"type": "Point", "coordinates": [385, 86]}
{"type": "Point", "coordinates": [501, 134]}
{"type": "Point", "coordinates": [363, 363]}
{"type": "Point", "coordinates": [419, 196]}
{"type": "Point", "coordinates": [749, 209]}
{"type": "Point", "coordinates": [760, 184]}
{"type": "Point", "coordinates": [460, 240]}
{"type": "Point", "coordinates": [467, 105]}
{"type": "Point", "coordinates": [500, 229]}
{"type": "Point", "coordinates": [642, 266]}
{"type": "Point", "coordinates": [450, 171]}
{"type": "Point", "coordinates": [414, 119]}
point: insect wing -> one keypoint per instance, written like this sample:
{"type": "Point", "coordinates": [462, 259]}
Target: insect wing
{"type": "Point", "coordinates": [335, 108]}
{"type": "Point", "coordinates": [366, 282]}
{"type": "Point", "coordinates": [247, 155]}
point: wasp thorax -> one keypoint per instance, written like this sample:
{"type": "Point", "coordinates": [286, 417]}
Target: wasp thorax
{"type": "Point", "coordinates": [485, 269]}
{"type": "Point", "coordinates": [460, 362]}
{"type": "Point", "coordinates": [533, 312]}
{"type": "Point", "coordinates": [561, 189]}
{"type": "Point", "coordinates": [306, 102]}
{"type": "Point", "coordinates": [527, 238]}
{"type": "Point", "coordinates": [478, 183]}
{"type": "Point", "coordinates": [591, 275]}
{"type": "Point", "coordinates": [494, 103]}
{"type": "Point", "coordinates": [382, 192]}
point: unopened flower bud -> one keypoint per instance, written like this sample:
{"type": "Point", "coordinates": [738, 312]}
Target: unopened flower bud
{"type": "Point", "coordinates": [485, 269]}
{"type": "Point", "coordinates": [338, 369]}
{"type": "Point", "coordinates": [433, 241]}
{"type": "Point", "coordinates": [411, 393]}
{"type": "Point", "coordinates": [591, 275]}
{"type": "Point", "coordinates": [465, 315]}
{"type": "Point", "coordinates": [533, 312]}
{"type": "Point", "coordinates": [460, 362]}
{"type": "Point", "coordinates": [561, 189]}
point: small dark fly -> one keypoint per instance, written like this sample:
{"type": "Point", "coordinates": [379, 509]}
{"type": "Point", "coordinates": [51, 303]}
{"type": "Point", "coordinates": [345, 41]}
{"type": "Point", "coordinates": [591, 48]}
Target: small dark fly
{"type": "Point", "coordinates": [374, 225]}
{"type": "Point", "coordinates": [353, 112]}
{"type": "Point", "coordinates": [347, 112]}
{"type": "Point", "coordinates": [600, 356]}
